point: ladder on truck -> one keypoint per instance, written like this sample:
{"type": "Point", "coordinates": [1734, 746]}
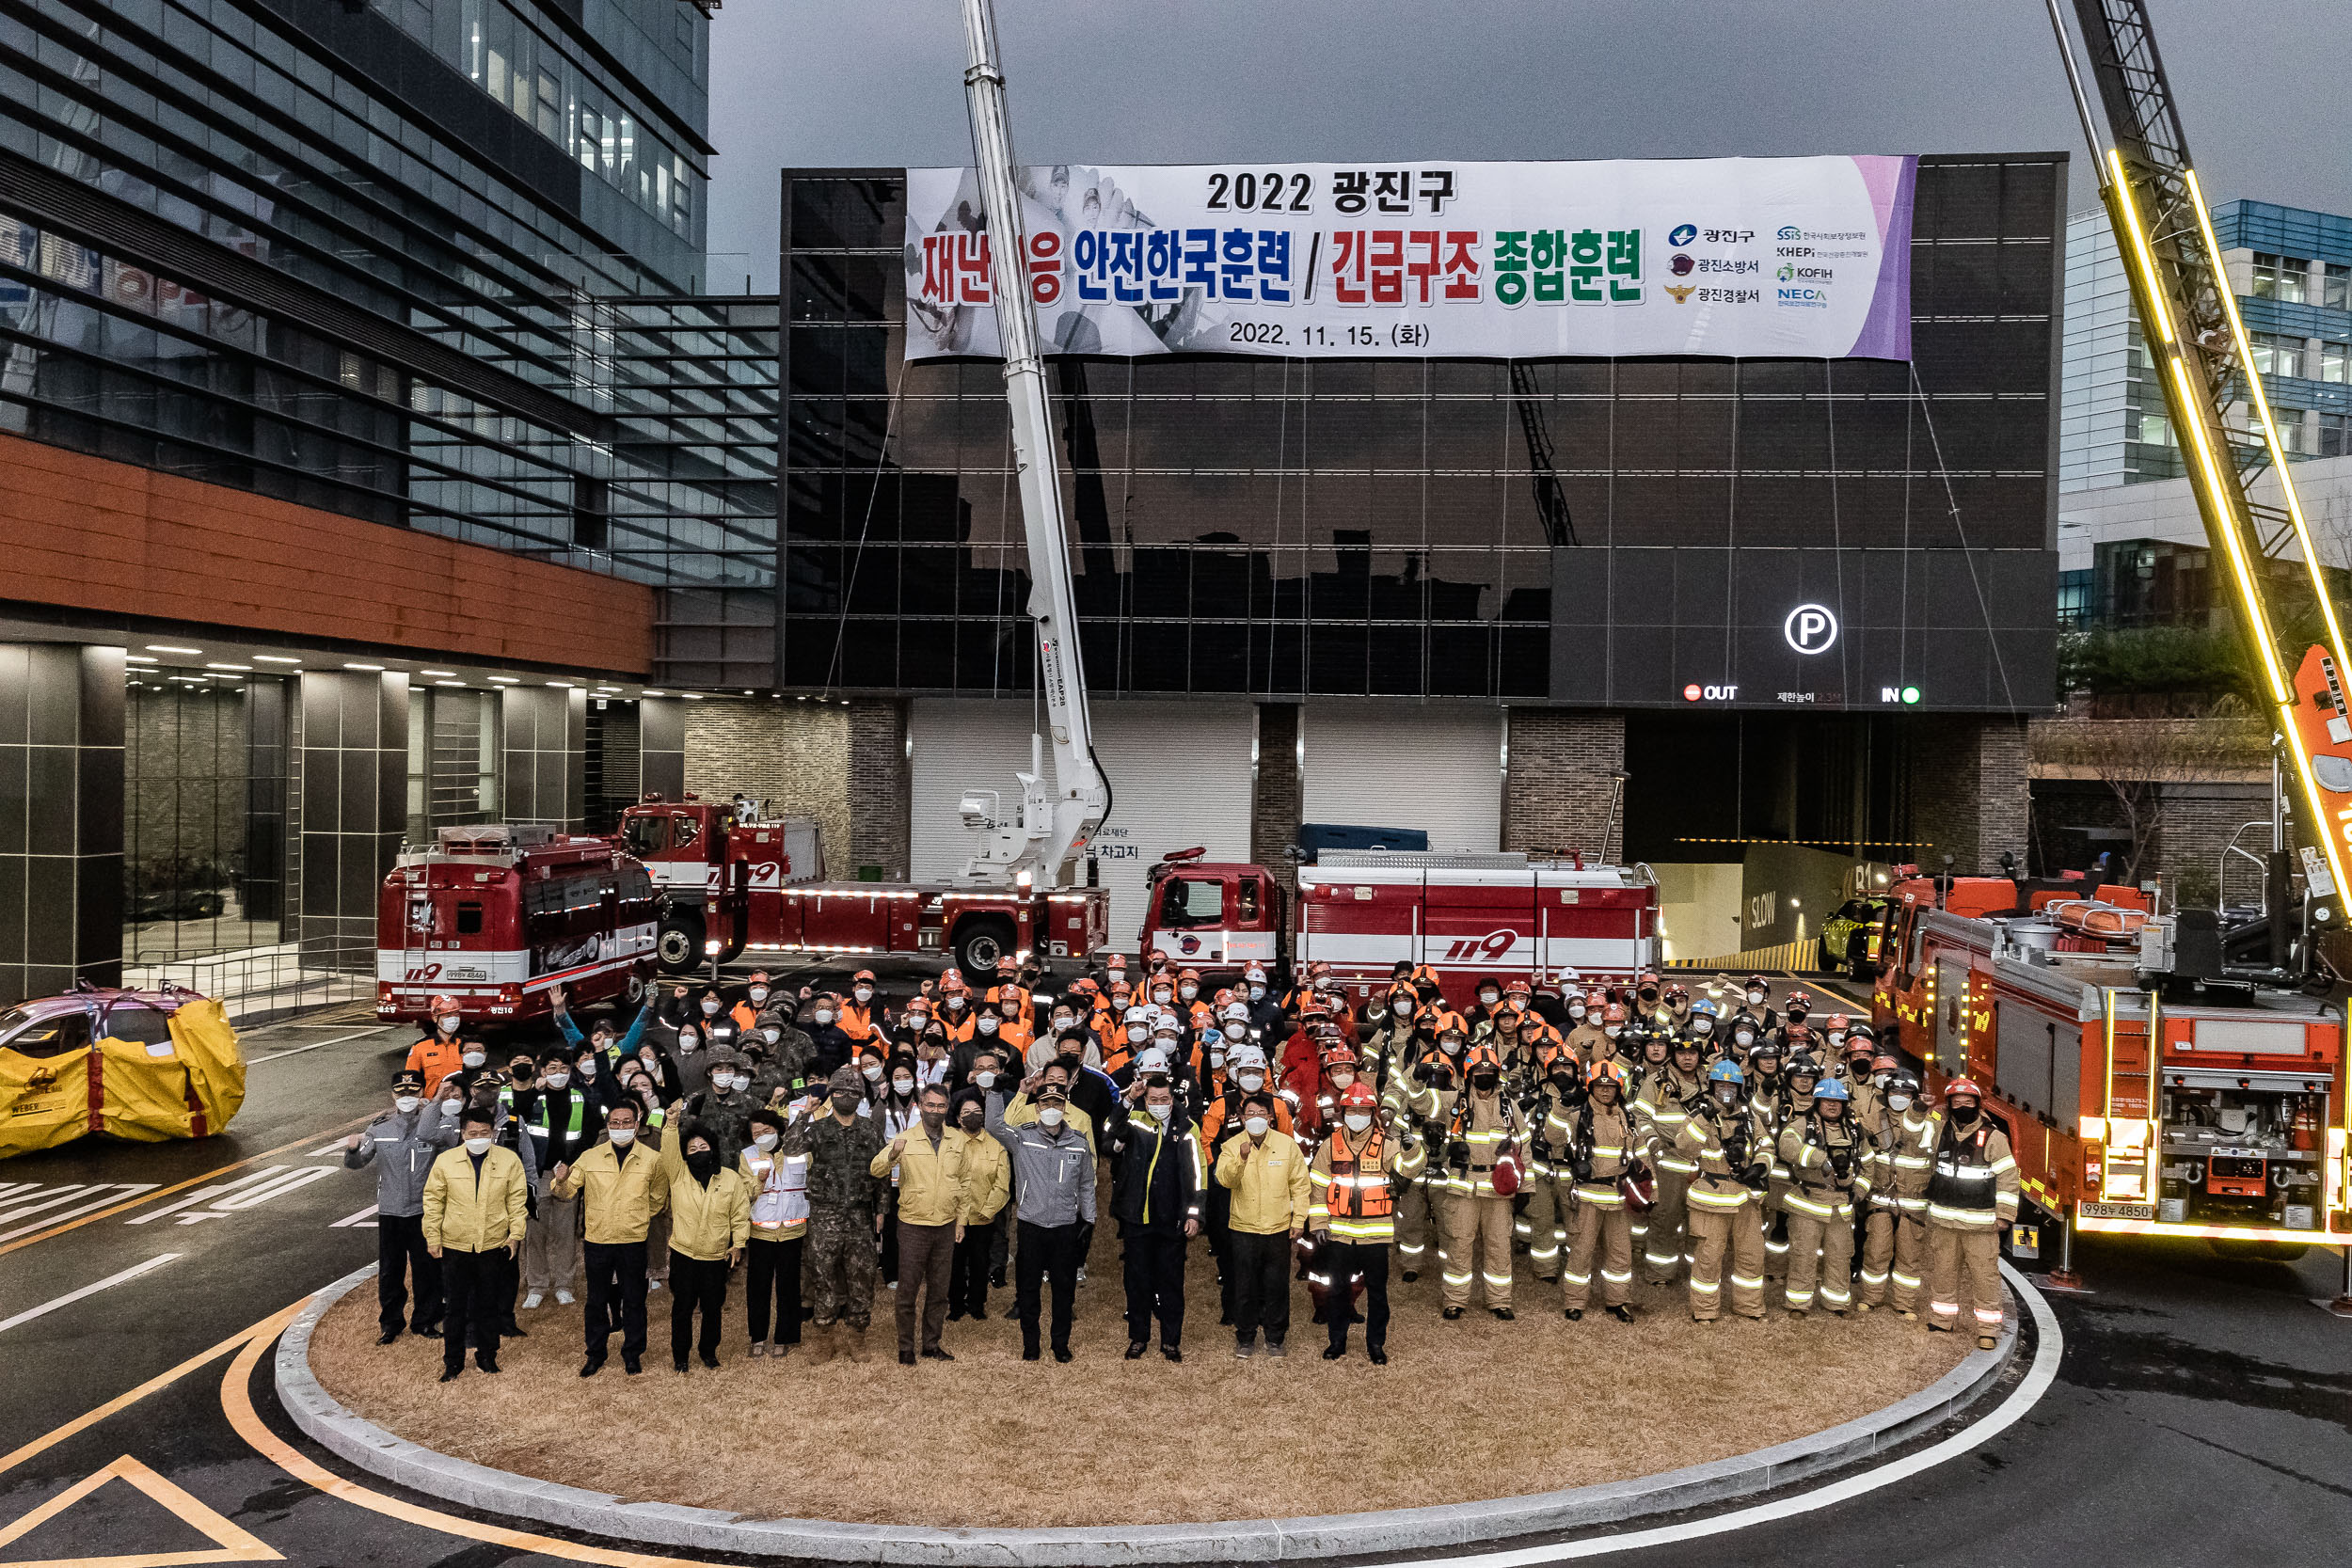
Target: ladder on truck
{"type": "Point", "coordinates": [2212, 393]}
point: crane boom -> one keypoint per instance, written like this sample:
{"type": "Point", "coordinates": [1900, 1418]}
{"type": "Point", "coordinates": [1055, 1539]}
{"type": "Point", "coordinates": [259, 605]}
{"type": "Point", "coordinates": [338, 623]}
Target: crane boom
{"type": "Point", "coordinates": [1057, 823]}
{"type": "Point", "coordinates": [2190, 322]}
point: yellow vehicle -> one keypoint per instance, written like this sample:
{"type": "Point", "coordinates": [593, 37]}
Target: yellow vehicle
{"type": "Point", "coordinates": [1849, 938]}
{"type": "Point", "coordinates": [144, 1065]}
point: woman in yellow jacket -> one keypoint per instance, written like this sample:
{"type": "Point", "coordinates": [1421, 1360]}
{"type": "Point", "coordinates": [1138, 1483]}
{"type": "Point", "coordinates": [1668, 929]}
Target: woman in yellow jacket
{"type": "Point", "coordinates": [711, 1220]}
{"type": "Point", "coordinates": [1266, 1173]}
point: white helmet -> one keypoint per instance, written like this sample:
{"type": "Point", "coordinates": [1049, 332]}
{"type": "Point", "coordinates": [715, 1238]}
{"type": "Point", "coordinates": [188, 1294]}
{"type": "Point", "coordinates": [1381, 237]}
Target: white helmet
{"type": "Point", "coordinates": [1248, 1056]}
{"type": "Point", "coordinates": [1153, 1060]}
{"type": "Point", "coordinates": [1167, 1027]}
{"type": "Point", "coordinates": [1235, 1013]}
{"type": "Point", "coordinates": [1134, 1015]}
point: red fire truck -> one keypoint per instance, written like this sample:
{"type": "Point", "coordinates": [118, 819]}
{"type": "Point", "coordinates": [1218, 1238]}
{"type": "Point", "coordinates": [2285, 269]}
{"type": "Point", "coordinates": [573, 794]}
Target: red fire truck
{"type": "Point", "coordinates": [2144, 1089]}
{"type": "Point", "coordinates": [1466, 915]}
{"type": "Point", "coordinates": [757, 887]}
{"type": "Point", "coordinates": [496, 915]}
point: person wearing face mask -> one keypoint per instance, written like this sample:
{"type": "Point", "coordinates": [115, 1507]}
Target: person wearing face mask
{"type": "Point", "coordinates": [1053, 1187]}
{"type": "Point", "coordinates": [403, 1145]}
{"type": "Point", "coordinates": [1265, 1009]}
{"type": "Point", "coordinates": [1895, 1240]}
{"type": "Point", "coordinates": [1554, 1092]}
{"type": "Point", "coordinates": [956, 1012]}
{"type": "Point", "coordinates": [1351, 1212]}
{"type": "Point", "coordinates": [622, 1188]}
{"type": "Point", "coordinates": [1489, 1004]}
{"type": "Point", "coordinates": [1597, 1150]}
{"type": "Point", "coordinates": [786, 1058]}
{"type": "Point", "coordinates": [844, 1218]}
{"type": "Point", "coordinates": [1586, 1038]}
{"type": "Point", "coordinates": [1156, 1182]}
{"type": "Point", "coordinates": [1828, 1160]}
{"type": "Point", "coordinates": [563, 1120]}
{"type": "Point", "coordinates": [776, 1166]}
{"type": "Point", "coordinates": [1972, 1197]}
{"type": "Point", "coordinates": [707, 1012]}
{"type": "Point", "coordinates": [862, 1011]}
{"type": "Point", "coordinates": [613, 1042]}
{"type": "Point", "coordinates": [896, 1107]}
{"type": "Point", "coordinates": [759, 994]}
{"type": "Point", "coordinates": [476, 1203]}
{"type": "Point", "coordinates": [1661, 1110]}
{"type": "Point", "coordinates": [1421, 1096]}
{"type": "Point", "coordinates": [1731, 1150]}
{"type": "Point", "coordinates": [834, 1046]}
{"type": "Point", "coordinates": [711, 1222]}
{"type": "Point", "coordinates": [723, 1110]}
{"type": "Point", "coordinates": [1553, 996]}
{"type": "Point", "coordinates": [1388, 1034]}
{"type": "Point", "coordinates": [988, 1182]}
{"type": "Point", "coordinates": [925, 1163]}
{"type": "Point", "coordinates": [593, 1074]}
{"type": "Point", "coordinates": [1483, 1129]}
{"type": "Point", "coordinates": [441, 1051]}
{"type": "Point", "coordinates": [690, 1064]}
{"type": "Point", "coordinates": [1245, 1074]}
{"type": "Point", "coordinates": [1266, 1171]}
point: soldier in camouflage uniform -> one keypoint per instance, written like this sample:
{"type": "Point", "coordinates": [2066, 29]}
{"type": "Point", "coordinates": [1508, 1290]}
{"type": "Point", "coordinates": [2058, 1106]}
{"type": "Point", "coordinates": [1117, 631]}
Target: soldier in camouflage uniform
{"type": "Point", "coordinates": [843, 1199]}
{"type": "Point", "coordinates": [784, 1063]}
{"type": "Point", "coordinates": [722, 1111]}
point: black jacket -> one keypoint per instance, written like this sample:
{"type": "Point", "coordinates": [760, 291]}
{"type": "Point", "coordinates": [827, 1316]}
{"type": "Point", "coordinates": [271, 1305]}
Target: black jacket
{"type": "Point", "coordinates": [1156, 1172]}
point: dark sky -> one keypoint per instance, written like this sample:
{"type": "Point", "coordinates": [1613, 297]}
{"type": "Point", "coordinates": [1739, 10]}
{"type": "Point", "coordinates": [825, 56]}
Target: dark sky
{"type": "Point", "coordinates": [2262, 88]}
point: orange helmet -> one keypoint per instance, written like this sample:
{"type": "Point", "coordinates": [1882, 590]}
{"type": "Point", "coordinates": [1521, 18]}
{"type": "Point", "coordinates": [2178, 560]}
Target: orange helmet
{"type": "Point", "coordinates": [952, 983]}
{"type": "Point", "coordinates": [1616, 1013]}
{"type": "Point", "coordinates": [867, 975]}
{"type": "Point", "coordinates": [445, 1004]}
{"type": "Point", "coordinates": [1005, 965]}
{"type": "Point", "coordinates": [1358, 1093]}
{"type": "Point", "coordinates": [1518, 986]}
{"type": "Point", "coordinates": [1481, 1054]}
{"type": "Point", "coordinates": [1964, 1085]}
{"type": "Point", "coordinates": [1609, 1069]}
{"type": "Point", "coordinates": [1192, 975]}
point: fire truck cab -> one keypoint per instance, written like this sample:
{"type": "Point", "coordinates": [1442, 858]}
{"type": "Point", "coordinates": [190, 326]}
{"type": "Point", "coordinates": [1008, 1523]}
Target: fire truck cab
{"type": "Point", "coordinates": [710, 871]}
{"type": "Point", "coordinates": [2143, 1091]}
{"type": "Point", "coordinates": [497, 914]}
{"type": "Point", "coordinates": [1363, 911]}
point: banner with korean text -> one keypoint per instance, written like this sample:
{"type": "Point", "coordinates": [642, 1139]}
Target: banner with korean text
{"type": "Point", "coordinates": [1754, 258]}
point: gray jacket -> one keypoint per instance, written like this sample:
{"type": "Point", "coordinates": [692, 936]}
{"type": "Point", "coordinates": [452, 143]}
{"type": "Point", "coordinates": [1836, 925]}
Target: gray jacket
{"type": "Point", "coordinates": [1053, 1173]}
{"type": "Point", "coordinates": [408, 1145]}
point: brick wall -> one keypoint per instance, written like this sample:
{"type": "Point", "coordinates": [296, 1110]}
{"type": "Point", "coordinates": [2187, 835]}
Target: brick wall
{"type": "Point", "coordinates": [1557, 796]}
{"type": "Point", "coordinates": [1275, 803]}
{"type": "Point", "coordinates": [1968, 789]}
{"type": "Point", "coordinates": [793, 755]}
{"type": "Point", "coordinates": [880, 789]}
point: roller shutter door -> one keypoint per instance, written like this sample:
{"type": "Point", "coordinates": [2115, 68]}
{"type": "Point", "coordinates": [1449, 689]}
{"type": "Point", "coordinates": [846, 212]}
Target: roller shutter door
{"type": "Point", "coordinates": [1180, 774]}
{"type": "Point", "coordinates": [1437, 769]}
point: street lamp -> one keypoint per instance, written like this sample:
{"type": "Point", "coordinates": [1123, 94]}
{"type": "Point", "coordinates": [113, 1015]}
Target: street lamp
{"type": "Point", "coordinates": [711, 945]}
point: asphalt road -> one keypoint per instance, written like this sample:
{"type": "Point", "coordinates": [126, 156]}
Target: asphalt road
{"type": "Point", "coordinates": [2201, 1414]}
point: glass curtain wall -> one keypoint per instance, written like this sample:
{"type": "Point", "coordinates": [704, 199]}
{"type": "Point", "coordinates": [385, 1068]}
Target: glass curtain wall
{"type": "Point", "coordinates": [204, 813]}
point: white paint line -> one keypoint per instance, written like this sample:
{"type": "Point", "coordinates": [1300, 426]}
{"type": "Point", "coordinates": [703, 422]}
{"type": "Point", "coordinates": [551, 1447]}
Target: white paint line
{"type": "Point", "coordinates": [72, 1296]}
{"type": "Point", "coordinates": [335, 1148]}
{"type": "Point", "coordinates": [314, 1045]}
{"type": "Point", "coordinates": [2048, 1347]}
{"type": "Point", "coordinates": [206, 1195]}
{"type": "Point", "coordinates": [364, 1217]}
{"type": "Point", "coordinates": [85, 1199]}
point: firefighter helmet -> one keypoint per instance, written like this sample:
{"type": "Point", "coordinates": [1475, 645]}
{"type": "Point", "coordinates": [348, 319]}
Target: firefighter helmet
{"type": "Point", "coordinates": [1612, 1070]}
{"type": "Point", "coordinates": [1338, 1053]}
{"type": "Point", "coordinates": [1704, 1008]}
{"type": "Point", "coordinates": [1481, 1054]}
{"type": "Point", "coordinates": [1192, 975]}
{"type": "Point", "coordinates": [1727, 1072]}
{"type": "Point", "coordinates": [1860, 1031]}
{"type": "Point", "coordinates": [1235, 1012]}
{"type": "Point", "coordinates": [1802, 1065]}
{"type": "Point", "coordinates": [1886, 1061]}
{"type": "Point", "coordinates": [952, 983]}
{"type": "Point", "coordinates": [1831, 1088]}
{"type": "Point", "coordinates": [1903, 1082]}
{"type": "Point", "coordinates": [1134, 1015]}
{"type": "Point", "coordinates": [1688, 1040]}
{"type": "Point", "coordinates": [1614, 1013]}
{"type": "Point", "coordinates": [867, 975]}
{"type": "Point", "coordinates": [444, 1003]}
{"type": "Point", "coordinates": [1358, 1095]}
{"type": "Point", "coordinates": [1167, 1026]}
{"type": "Point", "coordinates": [1248, 1056]}
{"type": "Point", "coordinates": [1518, 986]}
{"type": "Point", "coordinates": [1964, 1085]}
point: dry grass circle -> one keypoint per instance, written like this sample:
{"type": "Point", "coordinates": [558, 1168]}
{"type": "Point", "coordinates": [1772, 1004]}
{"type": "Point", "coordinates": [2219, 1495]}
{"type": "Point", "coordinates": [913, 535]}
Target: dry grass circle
{"type": "Point", "coordinates": [1464, 1411]}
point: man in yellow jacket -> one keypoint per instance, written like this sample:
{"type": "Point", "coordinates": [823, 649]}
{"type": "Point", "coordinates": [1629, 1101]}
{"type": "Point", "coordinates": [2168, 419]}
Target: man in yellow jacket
{"type": "Point", "coordinates": [934, 1204]}
{"type": "Point", "coordinates": [626, 1185]}
{"type": "Point", "coordinates": [475, 1207]}
{"type": "Point", "coordinates": [1266, 1173]}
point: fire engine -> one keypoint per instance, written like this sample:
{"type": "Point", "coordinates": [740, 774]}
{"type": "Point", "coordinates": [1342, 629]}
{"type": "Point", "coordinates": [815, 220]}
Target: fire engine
{"type": "Point", "coordinates": [760, 887]}
{"type": "Point", "coordinates": [1361, 912]}
{"type": "Point", "coordinates": [496, 915]}
{"type": "Point", "coordinates": [2148, 1086]}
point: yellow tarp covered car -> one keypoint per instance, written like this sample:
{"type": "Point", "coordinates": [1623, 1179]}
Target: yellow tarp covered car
{"type": "Point", "coordinates": [143, 1066]}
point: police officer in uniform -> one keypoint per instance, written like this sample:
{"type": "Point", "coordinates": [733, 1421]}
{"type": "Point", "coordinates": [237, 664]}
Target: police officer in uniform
{"type": "Point", "coordinates": [1725, 1141]}
{"type": "Point", "coordinates": [1828, 1160]}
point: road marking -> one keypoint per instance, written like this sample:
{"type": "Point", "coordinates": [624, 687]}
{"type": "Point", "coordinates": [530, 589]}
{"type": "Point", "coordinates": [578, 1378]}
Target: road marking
{"type": "Point", "coordinates": [232, 1198]}
{"type": "Point", "coordinates": [269, 1326]}
{"type": "Point", "coordinates": [72, 1296]}
{"type": "Point", "coordinates": [2049, 1346]}
{"type": "Point", "coordinates": [9, 1243]}
{"type": "Point", "coordinates": [335, 1148]}
{"type": "Point", "coordinates": [314, 1045]}
{"type": "Point", "coordinates": [236, 1401]}
{"type": "Point", "coordinates": [230, 1543]}
{"type": "Point", "coordinates": [364, 1217]}
{"type": "Point", "coordinates": [21, 1200]}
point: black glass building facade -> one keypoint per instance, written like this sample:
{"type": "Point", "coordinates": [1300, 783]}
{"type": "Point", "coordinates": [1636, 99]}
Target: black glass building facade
{"type": "Point", "coordinates": [357, 255]}
{"type": "Point", "coordinates": [1598, 532]}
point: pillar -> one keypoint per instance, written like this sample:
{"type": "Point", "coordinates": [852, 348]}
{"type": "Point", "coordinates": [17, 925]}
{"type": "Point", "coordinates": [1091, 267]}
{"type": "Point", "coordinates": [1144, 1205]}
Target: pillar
{"type": "Point", "coordinates": [881, 792]}
{"type": "Point", "coordinates": [1276, 800]}
{"type": "Point", "coordinates": [1969, 794]}
{"type": "Point", "coordinates": [543, 755]}
{"type": "Point", "coordinates": [1561, 793]}
{"type": "Point", "coordinates": [662, 746]}
{"type": "Point", "coordinates": [60, 818]}
{"type": "Point", "coordinates": [353, 794]}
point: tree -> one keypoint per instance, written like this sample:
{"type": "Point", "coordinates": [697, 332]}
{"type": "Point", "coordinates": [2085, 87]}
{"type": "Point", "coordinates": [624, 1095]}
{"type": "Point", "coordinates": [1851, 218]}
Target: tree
{"type": "Point", "coordinates": [2138, 760]}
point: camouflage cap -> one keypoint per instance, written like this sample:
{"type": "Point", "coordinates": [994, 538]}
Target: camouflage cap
{"type": "Point", "coordinates": [723, 1057]}
{"type": "Point", "coordinates": [844, 1077]}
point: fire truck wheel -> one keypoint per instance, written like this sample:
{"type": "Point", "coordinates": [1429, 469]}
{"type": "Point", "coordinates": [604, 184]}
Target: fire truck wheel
{"type": "Point", "coordinates": [680, 946]}
{"type": "Point", "coordinates": [2256, 1252]}
{"type": "Point", "coordinates": [980, 942]}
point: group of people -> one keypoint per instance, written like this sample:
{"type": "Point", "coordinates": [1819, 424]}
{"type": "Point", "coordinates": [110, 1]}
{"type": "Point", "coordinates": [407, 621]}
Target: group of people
{"type": "Point", "coordinates": [822, 1142]}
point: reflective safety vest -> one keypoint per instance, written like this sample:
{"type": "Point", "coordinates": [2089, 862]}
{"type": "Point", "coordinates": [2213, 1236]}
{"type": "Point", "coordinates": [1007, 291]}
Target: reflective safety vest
{"type": "Point", "coordinates": [536, 1125]}
{"type": "Point", "coordinates": [1351, 1192]}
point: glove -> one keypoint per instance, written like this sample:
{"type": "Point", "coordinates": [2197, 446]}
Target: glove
{"type": "Point", "coordinates": [1457, 1154]}
{"type": "Point", "coordinates": [1756, 1175]}
{"type": "Point", "coordinates": [1841, 1162]}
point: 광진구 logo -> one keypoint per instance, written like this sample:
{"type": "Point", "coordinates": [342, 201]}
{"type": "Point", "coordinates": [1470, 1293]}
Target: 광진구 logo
{"type": "Point", "coordinates": [1682, 233]}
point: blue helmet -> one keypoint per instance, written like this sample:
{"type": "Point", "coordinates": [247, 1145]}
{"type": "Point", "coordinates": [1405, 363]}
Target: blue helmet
{"type": "Point", "coordinates": [1707, 1007]}
{"type": "Point", "coordinates": [1727, 1072]}
{"type": "Point", "coordinates": [1831, 1088]}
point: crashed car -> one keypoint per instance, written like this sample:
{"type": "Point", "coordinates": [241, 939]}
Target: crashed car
{"type": "Point", "coordinates": [144, 1065]}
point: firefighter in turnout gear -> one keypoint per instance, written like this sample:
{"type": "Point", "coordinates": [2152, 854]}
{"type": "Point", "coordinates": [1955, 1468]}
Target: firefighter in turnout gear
{"type": "Point", "coordinates": [1424, 1094]}
{"type": "Point", "coordinates": [1594, 1153]}
{"type": "Point", "coordinates": [1972, 1195]}
{"type": "Point", "coordinates": [1828, 1160]}
{"type": "Point", "coordinates": [1554, 1092]}
{"type": "Point", "coordinates": [1790, 1105]}
{"type": "Point", "coordinates": [1482, 1134]}
{"type": "Point", "coordinates": [1723, 1138]}
{"type": "Point", "coordinates": [1667, 1098]}
{"type": "Point", "coordinates": [1356, 1173]}
{"type": "Point", "coordinates": [1895, 1241]}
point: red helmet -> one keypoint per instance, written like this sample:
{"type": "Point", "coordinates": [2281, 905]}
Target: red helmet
{"type": "Point", "coordinates": [1967, 1087]}
{"type": "Point", "coordinates": [445, 1004]}
{"type": "Point", "coordinates": [1338, 1053]}
{"type": "Point", "coordinates": [1358, 1093]}
{"type": "Point", "coordinates": [1616, 1013]}
{"type": "Point", "coordinates": [1885, 1061]}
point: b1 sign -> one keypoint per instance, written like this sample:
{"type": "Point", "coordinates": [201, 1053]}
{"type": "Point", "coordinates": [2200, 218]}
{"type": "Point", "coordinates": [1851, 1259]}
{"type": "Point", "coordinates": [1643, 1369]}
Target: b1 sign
{"type": "Point", "coordinates": [1773, 258]}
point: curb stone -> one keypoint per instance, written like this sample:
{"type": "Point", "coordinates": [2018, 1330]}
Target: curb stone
{"type": "Point", "coordinates": [344, 1433]}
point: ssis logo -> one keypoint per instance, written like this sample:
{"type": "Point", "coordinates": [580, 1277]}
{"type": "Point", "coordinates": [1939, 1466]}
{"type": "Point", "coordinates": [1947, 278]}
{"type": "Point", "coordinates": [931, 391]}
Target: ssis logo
{"type": "Point", "coordinates": [1682, 293]}
{"type": "Point", "coordinates": [1791, 231]}
{"type": "Point", "coordinates": [1682, 233]}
